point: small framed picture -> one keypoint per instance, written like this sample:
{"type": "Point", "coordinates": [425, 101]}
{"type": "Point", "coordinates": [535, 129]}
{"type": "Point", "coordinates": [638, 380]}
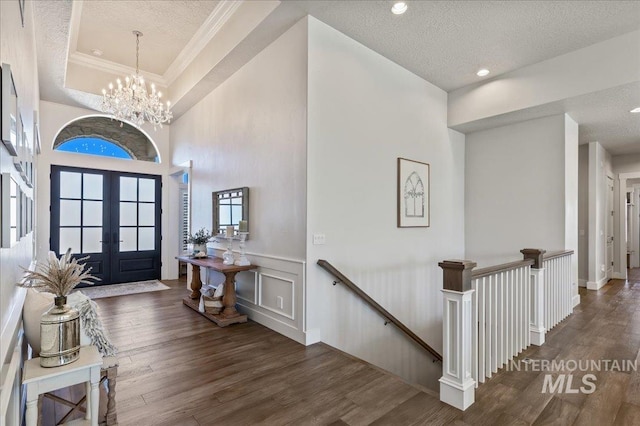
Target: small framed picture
{"type": "Point", "coordinates": [413, 194]}
{"type": "Point", "coordinates": [9, 102]}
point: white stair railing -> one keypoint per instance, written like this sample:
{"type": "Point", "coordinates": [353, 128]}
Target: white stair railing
{"type": "Point", "coordinates": [558, 283]}
{"type": "Point", "coordinates": [490, 315]}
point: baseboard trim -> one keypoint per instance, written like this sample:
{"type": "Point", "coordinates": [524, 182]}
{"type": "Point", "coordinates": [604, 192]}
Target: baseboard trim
{"type": "Point", "coordinates": [582, 283]}
{"type": "Point", "coordinates": [576, 300]}
{"type": "Point", "coordinates": [597, 285]}
{"type": "Point", "coordinates": [274, 324]}
{"type": "Point", "coordinates": [619, 276]}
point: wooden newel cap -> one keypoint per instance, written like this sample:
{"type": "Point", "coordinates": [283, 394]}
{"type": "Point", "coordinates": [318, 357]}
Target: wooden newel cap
{"type": "Point", "coordinates": [536, 254]}
{"type": "Point", "coordinates": [457, 274]}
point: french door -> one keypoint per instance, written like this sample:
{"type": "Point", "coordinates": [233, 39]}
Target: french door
{"type": "Point", "coordinates": [111, 217]}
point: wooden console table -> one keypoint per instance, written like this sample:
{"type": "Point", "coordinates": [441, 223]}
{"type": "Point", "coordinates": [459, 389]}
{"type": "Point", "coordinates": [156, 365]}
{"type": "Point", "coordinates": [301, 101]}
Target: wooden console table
{"type": "Point", "coordinates": [229, 315]}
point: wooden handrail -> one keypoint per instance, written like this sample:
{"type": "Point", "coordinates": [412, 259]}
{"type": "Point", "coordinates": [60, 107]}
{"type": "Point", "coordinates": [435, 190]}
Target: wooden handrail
{"type": "Point", "coordinates": [490, 270]}
{"type": "Point", "coordinates": [556, 254]}
{"type": "Point", "coordinates": [382, 311]}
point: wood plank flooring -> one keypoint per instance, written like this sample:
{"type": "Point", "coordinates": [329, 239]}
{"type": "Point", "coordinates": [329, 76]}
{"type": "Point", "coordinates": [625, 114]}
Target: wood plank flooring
{"type": "Point", "coordinates": [177, 368]}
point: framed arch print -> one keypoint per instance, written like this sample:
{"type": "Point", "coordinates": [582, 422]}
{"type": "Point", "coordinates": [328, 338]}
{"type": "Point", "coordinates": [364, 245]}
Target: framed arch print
{"type": "Point", "coordinates": [413, 194]}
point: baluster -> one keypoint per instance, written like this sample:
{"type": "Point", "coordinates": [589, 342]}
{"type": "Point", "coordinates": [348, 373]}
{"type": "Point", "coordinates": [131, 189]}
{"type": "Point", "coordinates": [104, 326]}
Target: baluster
{"type": "Point", "coordinates": [490, 354]}
{"type": "Point", "coordinates": [481, 330]}
{"type": "Point", "coordinates": [494, 326]}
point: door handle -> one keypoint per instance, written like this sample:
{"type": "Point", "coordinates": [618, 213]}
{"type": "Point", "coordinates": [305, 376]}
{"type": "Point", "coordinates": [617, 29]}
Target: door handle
{"type": "Point", "coordinates": [105, 238]}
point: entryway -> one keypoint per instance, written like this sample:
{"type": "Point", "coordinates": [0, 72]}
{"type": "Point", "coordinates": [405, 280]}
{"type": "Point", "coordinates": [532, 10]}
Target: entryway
{"type": "Point", "coordinates": [111, 217]}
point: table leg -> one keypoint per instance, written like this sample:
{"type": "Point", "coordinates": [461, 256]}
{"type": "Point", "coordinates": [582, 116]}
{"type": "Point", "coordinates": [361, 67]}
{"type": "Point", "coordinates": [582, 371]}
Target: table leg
{"type": "Point", "coordinates": [31, 418]}
{"type": "Point", "coordinates": [196, 282]}
{"type": "Point", "coordinates": [95, 398]}
{"type": "Point", "coordinates": [87, 392]}
{"type": "Point", "coordinates": [229, 296]}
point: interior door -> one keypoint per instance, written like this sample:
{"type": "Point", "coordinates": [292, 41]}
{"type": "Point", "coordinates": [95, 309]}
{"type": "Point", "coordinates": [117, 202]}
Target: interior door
{"type": "Point", "coordinates": [609, 222]}
{"type": "Point", "coordinates": [80, 217]}
{"type": "Point", "coordinates": [112, 218]}
{"type": "Point", "coordinates": [135, 256]}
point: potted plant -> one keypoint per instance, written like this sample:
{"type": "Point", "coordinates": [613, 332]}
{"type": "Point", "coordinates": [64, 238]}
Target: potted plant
{"type": "Point", "coordinates": [60, 325]}
{"type": "Point", "coordinates": [200, 240]}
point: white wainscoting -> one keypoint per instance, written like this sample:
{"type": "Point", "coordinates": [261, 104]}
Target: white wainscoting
{"type": "Point", "coordinates": [273, 294]}
{"type": "Point", "coordinates": [12, 353]}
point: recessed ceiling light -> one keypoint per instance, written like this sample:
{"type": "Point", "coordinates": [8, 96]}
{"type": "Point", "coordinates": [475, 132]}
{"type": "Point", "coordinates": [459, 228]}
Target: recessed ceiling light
{"type": "Point", "coordinates": [96, 52]}
{"type": "Point", "coordinates": [399, 8]}
{"type": "Point", "coordinates": [635, 110]}
{"type": "Point", "coordinates": [482, 72]}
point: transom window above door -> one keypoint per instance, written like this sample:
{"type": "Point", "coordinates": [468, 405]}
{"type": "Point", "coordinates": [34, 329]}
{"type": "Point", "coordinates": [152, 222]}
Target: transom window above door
{"type": "Point", "coordinates": [107, 138]}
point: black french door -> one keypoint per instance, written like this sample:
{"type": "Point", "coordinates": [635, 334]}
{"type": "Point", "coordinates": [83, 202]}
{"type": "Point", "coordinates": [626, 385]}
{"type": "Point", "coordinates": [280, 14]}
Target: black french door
{"type": "Point", "coordinates": [111, 217]}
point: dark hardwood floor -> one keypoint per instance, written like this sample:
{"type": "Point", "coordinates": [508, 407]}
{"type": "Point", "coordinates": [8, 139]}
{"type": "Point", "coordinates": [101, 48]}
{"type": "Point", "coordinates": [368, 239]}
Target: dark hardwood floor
{"type": "Point", "coordinates": [177, 368]}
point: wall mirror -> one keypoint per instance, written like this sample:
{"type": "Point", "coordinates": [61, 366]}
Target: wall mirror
{"type": "Point", "coordinates": [230, 207]}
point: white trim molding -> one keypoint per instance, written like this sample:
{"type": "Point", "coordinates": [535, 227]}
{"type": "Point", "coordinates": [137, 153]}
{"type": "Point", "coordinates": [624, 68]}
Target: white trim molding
{"type": "Point", "coordinates": [597, 285]}
{"type": "Point", "coordinates": [576, 300]}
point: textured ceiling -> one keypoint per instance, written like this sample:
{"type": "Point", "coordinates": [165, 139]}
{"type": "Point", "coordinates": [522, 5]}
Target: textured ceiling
{"type": "Point", "coordinates": [445, 42]}
{"type": "Point", "coordinates": [602, 117]}
{"type": "Point", "coordinates": [167, 27]}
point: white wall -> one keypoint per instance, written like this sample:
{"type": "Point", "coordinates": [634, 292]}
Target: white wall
{"type": "Point", "coordinates": [53, 117]}
{"type": "Point", "coordinates": [17, 48]}
{"type": "Point", "coordinates": [571, 206]}
{"type": "Point", "coordinates": [583, 215]}
{"type": "Point", "coordinates": [251, 131]}
{"type": "Point", "coordinates": [599, 171]}
{"type": "Point", "coordinates": [364, 112]}
{"type": "Point", "coordinates": [515, 190]}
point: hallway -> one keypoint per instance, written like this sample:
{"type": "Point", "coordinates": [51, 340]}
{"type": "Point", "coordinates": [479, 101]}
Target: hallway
{"type": "Point", "coordinates": [178, 369]}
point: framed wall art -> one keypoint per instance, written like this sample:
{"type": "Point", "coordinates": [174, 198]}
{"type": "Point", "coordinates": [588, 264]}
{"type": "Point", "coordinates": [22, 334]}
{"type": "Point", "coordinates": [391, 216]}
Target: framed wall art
{"type": "Point", "coordinates": [413, 194]}
{"type": "Point", "coordinates": [9, 102]}
{"type": "Point", "coordinates": [8, 211]}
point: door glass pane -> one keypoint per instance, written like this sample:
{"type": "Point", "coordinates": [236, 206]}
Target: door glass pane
{"type": "Point", "coordinates": [69, 213]}
{"type": "Point", "coordinates": [92, 213]}
{"type": "Point", "coordinates": [128, 239]}
{"type": "Point", "coordinates": [70, 185]}
{"type": "Point", "coordinates": [69, 237]}
{"type": "Point", "coordinates": [147, 213]}
{"type": "Point", "coordinates": [128, 214]}
{"type": "Point", "coordinates": [92, 188]}
{"type": "Point", "coordinates": [147, 239]}
{"type": "Point", "coordinates": [147, 189]}
{"type": "Point", "coordinates": [91, 240]}
{"type": "Point", "coordinates": [128, 189]}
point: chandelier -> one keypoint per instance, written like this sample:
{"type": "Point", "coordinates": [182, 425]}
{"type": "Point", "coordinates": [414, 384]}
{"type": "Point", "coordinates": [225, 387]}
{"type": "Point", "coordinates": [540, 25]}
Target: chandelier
{"type": "Point", "coordinates": [130, 101]}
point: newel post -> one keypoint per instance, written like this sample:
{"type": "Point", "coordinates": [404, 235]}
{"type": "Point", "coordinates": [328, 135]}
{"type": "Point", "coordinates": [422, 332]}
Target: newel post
{"type": "Point", "coordinates": [457, 387]}
{"type": "Point", "coordinates": [537, 330]}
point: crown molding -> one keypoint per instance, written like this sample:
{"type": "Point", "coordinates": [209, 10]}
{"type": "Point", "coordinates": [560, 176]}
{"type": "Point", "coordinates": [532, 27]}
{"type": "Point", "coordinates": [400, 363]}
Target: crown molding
{"type": "Point", "coordinates": [214, 22]}
{"type": "Point", "coordinates": [103, 65]}
{"type": "Point", "coordinates": [74, 31]}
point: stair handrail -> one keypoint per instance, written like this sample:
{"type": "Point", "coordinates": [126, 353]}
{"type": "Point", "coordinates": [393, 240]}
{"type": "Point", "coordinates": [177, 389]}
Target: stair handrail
{"type": "Point", "coordinates": [341, 278]}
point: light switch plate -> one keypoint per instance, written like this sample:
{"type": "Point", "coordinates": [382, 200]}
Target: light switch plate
{"type": "Point", "coordinates": [319, 239]}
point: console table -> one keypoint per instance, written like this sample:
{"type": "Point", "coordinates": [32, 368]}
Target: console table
{"type": "Point", "coordinates": [229, 315]}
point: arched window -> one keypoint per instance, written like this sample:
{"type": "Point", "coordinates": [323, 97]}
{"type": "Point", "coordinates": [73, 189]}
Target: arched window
{"type": "Point", "coordinates": [94, 146]}
{"type": "Point", "coordinates": [105, 137]}
{"type": "Point", "coordinates": [414, 196]}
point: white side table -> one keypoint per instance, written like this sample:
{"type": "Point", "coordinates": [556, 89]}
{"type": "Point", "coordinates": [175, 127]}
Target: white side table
{"type": "Point", "coordinates": [40, 380]}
